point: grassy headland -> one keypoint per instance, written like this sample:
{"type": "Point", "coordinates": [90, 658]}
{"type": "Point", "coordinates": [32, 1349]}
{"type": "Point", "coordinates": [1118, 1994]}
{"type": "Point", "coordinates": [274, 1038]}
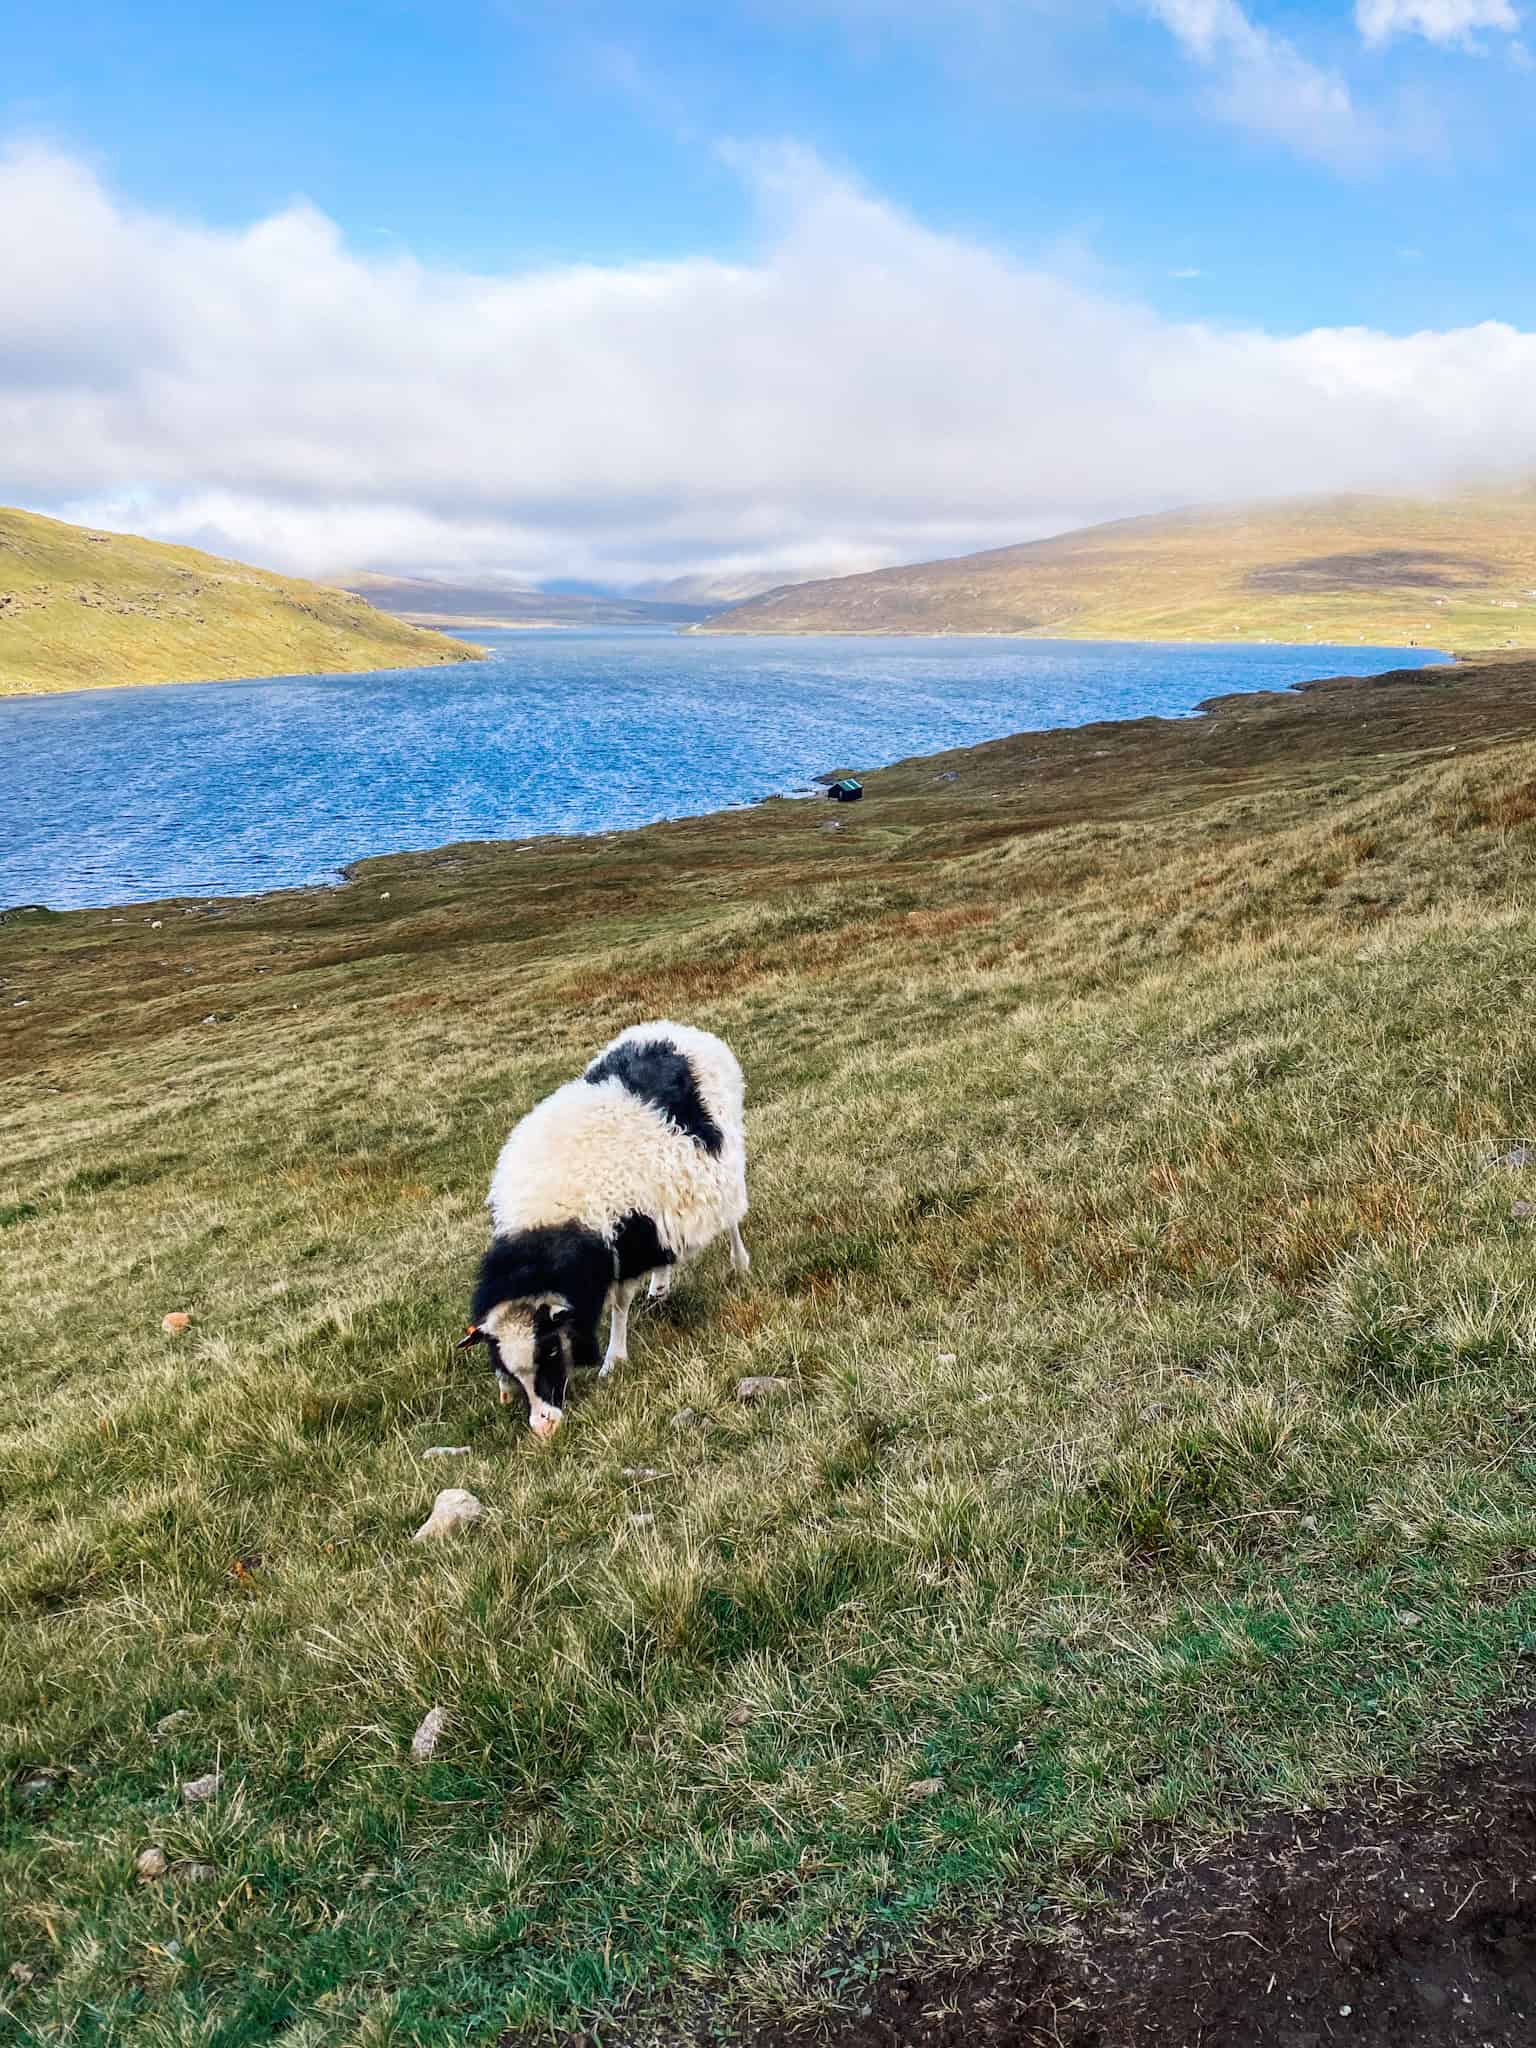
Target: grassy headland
{"type": "Point", "coordinates": [1126, 1109]}
{"type": "Point", "coordinates": [1457, 572]}
{"type": "Point", "coordinates": [85, 610]}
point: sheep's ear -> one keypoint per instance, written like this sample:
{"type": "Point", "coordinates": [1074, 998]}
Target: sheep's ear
{"type": "Point", "coordinates": [472, 1336]}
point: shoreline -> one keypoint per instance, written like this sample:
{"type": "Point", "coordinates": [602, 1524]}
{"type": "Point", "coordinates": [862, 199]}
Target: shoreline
{"type": "Point", "coordinates": [345, 872]}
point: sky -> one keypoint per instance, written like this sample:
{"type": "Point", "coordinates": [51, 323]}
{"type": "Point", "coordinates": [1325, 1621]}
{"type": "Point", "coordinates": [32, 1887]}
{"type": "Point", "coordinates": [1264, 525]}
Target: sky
{"type": "Point", "coordinates": [623, 292]}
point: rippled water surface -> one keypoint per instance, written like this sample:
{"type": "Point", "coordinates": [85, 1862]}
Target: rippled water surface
{"type": "Point", "coordinates": [118, 796]}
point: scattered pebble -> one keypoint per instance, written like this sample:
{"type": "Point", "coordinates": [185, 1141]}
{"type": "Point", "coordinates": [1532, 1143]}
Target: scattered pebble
{"type": "Point", "coordinates": [172, 1724]}
{"type": "Point", "coordinates": [738, 1717]}
{"type": "Point", "coordinates": [642, 1472]}
{"type": "Point", "coordinates": [1517, 1156]}
{"type": "Point", "coordinates": [641, 1521]}
{"type": "Point", "coordinates": [925, 1788]}
{"type": "Point", "coordinates": [447, 1451]}
{"type": "Point", "coordinates": [946, 1357]}
{"type": "Point", "coordinates": [196, 1790]}
{"type": "Point", "coordinates": [453, 1510]}
{"type": "Point", "coordinates": [177, 1321]}
{"type": "Point", "coordinates": [40, 1782]}
{"type": "Point", "coordinates": [424, 1741]}
{"type": "Point", "coordinates": [150, 1863]}
{"type": "Point", "coordinates": [1522, 1211]}
{"type": "Point", "coordinates": [685, 1418]}
{"type": "Point", "coordinates": [194, 1873]}
{"type": "Point", "coordinates": [1408, 1619]}
{"type": "Point", "coordinates": [761, 1387]}
{"type": "Point", "coordinates": [1154, 1411]}
{"type": "Point", "coordinates": [23, 1973]}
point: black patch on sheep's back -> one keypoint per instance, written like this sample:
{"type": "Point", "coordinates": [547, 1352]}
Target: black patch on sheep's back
{"type": "Point", "coordinates": [663, 1077]}
{"type": "Point", "coordinates": [556, 1258]}
{"type": "Point", "coordinates": [638, 1247]}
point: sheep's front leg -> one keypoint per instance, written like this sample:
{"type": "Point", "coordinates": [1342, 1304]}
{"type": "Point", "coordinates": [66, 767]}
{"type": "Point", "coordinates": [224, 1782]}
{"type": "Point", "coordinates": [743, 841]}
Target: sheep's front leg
{"type": "Point", "coordinates": [741, 1261]}
{"type": "Point", "coordinates": [618, 1326]}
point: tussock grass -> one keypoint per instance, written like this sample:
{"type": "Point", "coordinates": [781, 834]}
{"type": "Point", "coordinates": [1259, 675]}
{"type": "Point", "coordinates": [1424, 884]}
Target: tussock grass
{"type": "Point", "coordinates": [1162, 1356]}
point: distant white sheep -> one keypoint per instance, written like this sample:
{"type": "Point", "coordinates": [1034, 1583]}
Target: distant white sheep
{"type": "Point", "coordinates": [615, 1178]}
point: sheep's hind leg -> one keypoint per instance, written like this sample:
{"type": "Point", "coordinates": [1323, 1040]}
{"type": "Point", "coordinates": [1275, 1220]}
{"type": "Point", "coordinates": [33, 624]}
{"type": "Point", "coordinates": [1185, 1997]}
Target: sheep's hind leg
{"type": "Point", "coordinates": [618, 1327]}
{"type": "Point", "coordinates": [741, 1261]}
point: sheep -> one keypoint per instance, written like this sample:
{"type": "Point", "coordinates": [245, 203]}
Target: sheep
{"type": "Point", "coordinates": [617, 1177]}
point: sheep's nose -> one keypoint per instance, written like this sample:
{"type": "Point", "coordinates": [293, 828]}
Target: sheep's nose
{"type": "Point", "coordinates": [546, 1422]}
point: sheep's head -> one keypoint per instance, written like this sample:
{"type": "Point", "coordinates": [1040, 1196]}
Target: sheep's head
{"type": "Point", "coordinates": [530, 1347]}
{"type": "Point", "coordinates": [536, 1306]}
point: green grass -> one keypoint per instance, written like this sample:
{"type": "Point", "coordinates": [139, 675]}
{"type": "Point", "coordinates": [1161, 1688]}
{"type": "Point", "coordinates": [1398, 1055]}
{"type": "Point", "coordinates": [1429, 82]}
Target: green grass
{"type": "Point", "coordinates": [1161, 1437]}
{"type": "Point", "coordinates": [81, 609]}
{"type": "Point", "coordinates": [1455, 572]}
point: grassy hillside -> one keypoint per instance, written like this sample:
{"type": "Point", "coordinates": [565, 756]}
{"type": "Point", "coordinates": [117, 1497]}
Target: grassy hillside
{"type": "Point", "coordinates": [83, 610]}
{"type": "Point", "coordinates": [1160, 1439]}
{"type": "Point", "coordinates": [1388, 571]}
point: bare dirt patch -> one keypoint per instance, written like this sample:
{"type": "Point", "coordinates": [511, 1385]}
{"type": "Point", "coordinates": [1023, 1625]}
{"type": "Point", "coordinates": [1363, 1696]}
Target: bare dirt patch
{"type": "Point", "coordinates": [1372, 569]}
{"type": "Point", "coordinates": [1405, 1921]}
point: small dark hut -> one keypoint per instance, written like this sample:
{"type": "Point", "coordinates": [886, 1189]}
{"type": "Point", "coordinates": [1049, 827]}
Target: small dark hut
{"type": "Point", "coordinates": [846, 790]}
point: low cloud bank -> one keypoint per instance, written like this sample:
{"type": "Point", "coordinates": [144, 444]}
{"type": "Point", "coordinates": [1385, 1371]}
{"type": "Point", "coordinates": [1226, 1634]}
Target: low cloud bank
{"type": "Point", "coordinates": [863, 390]}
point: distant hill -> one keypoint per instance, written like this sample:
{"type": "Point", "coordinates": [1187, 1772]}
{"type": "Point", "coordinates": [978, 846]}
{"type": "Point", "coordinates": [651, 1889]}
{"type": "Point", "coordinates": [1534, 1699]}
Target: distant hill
{"type": "Point", "coordinates": [81, 609]}
{"type": "Point", "coordinates": [426, 600]}
{"type": "Point", "coordinates": [717, 588]}
{"type": "Point", "coordinates": [1459, 572]}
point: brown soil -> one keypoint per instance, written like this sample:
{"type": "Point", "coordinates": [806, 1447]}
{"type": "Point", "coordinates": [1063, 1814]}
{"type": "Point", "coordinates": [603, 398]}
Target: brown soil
{"type": "Point", "coordinates": [1407, 1921]}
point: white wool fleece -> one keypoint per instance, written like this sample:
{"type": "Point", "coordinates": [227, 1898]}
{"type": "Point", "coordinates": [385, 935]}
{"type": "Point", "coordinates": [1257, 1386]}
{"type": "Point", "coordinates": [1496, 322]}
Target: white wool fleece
{"type": "Point", "coordinates": [593, 1154]}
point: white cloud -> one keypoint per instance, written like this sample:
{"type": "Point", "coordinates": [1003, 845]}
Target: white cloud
{"type": "Point", "coordinates": [1438, 21]}
{"type": "Point", "coordinates": [863, 389]}
{"type": "Point", "coordinates": [1262, 83]}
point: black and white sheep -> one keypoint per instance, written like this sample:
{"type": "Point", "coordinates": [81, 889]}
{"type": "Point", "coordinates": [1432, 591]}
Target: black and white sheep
{"type": "Point", "coordinates": [615, 1178]}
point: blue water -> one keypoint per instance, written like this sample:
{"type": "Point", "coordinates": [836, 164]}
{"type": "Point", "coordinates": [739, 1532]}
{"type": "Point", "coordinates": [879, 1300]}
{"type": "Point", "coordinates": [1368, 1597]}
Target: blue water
{"type": "Point", "coordinates": [217, 789]}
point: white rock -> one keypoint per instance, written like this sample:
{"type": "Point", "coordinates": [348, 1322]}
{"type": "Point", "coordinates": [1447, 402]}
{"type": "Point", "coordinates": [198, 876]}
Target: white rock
{"type": "Point", "coordinates": [447, 1451]}
{"type": "Point", "coordinates": [761, 1387]}
{"type": "Point", "coordinates": [424, 1741]}
{"type": "Point", "coordinates": [150, 1864]}
{"type": "Point", "coordinates": [196, 1790]}
{"type": "Point", "coordinates": [172, 1724]}
{"type": "Point", "coordinates": [453, 1510]}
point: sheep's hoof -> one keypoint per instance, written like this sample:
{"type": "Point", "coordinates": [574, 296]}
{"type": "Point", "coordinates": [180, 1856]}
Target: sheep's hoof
{"type": "Point", "coordinates": [605, 1370]}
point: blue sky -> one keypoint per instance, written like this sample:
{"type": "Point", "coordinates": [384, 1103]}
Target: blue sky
{"type": "Point", "coordinates": [1199, 167]}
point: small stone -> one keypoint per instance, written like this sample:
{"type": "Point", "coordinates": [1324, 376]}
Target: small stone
{"type": "Point", "coordinates": [424, 1741]}
{"type": "Point", "coordinates": [172, 1724]}
{"type": "Point", "coordinates": [761, 1387]}
{"type": "Point", "coordinates": [1517, 1156]}
{"type": "Point", "coordinates": [946, 1358]}
{"type": "Point", "coordinates": [1408, 1619]}
{"type": "Point", "coordinates": [1522, 1212]}
{"type": "Point", "coordinates": [196, 1790]}
{"type": "Point", "coordinates": [685, 1418]}
{"type": "Point", "coordinates": [23, 1973]}
{"type": "Point", "coordinates": [453, 1510]}
{"type": "Point", "coordinates": [447, 1451]}
{"type": "Point", "coordinates": [641, 1472]}
{"type": "Point", "coordinates": [1345, 2011]}
{"type": "Point", "coordinates": [1154, 1411]}
{"type": "Point", "coordinates": [925, 1788]}
{"type": "Point", "coordinates": [174, 1323]}
{"type": "Point", "coordinates": [641, 1521]}
{"type": "Point", "coordinates": [738, 1717]}
{"type": "Point", "coordinates": [194, 1873]}
{"type": "Point", "coordinates": [37, 1784]}
{"type": "Point", "coordinates": [149, 1864]}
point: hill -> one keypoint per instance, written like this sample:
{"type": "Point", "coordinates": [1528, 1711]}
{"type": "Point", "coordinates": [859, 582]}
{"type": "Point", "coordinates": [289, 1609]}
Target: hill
{"type": "Point", "coordinates": [83, 610]}
{"type": "Point", "coordinates": [1388, 571]}
{"type": "Point", "coordinates": [428, 600]}
{"type": "Point", "coordinates": [1143, 1246]}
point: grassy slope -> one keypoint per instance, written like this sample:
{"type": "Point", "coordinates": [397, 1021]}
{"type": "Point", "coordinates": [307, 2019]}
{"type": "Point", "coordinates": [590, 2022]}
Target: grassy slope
{"type": "Point", "coordinates": [1163, 1423]}
{"type": "Point", "coordinates": [1455, 573]}
{"type": "Point", "coordinates": [82, 610]}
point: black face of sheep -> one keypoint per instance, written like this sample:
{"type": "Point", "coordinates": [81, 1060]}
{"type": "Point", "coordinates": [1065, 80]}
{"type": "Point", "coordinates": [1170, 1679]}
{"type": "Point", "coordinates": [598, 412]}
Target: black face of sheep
{"type": "Point", "coordinates": [530, 1347]}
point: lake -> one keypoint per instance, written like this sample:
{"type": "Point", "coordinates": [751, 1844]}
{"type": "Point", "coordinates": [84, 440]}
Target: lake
{"type": "Point", "coordinates": [218, 789]}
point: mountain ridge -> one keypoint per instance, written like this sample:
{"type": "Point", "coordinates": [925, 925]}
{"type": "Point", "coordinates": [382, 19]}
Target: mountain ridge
{"type": "Point", "coordinates": [1458, 571]}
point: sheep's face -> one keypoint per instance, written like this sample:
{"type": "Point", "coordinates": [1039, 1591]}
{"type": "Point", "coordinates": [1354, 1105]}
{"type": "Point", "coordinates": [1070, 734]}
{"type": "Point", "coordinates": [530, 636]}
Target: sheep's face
{"type": "Point", "coordinates": [530, 1346]}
